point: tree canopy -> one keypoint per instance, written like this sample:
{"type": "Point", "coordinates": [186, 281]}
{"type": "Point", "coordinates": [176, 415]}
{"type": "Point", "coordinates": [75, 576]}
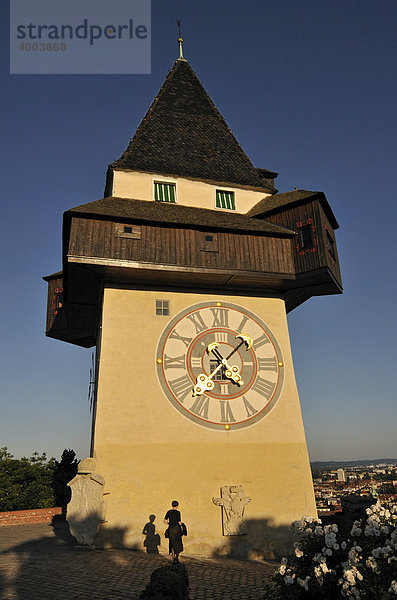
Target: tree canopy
{"type": "Point", "coordinates": [35, 482]}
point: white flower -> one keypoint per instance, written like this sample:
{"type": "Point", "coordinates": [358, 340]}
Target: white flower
{"type": "Point", "coordinates": [336, 546]}
{"type": "Point", "coordinates": [334, 528]}
{"type": "Point", "coordinates": [350, 575]}
{"type": "Point", "coordinates": [282, 569]}
{"type": "Point", "coordinates": [393, 587]}
{"type": "Point", "coordinates": [288, 580]}
{"type": "Point", "coordinates": [319, 530]}
{"type": "Point", "coordinates": [328, 552]}
{"type": "Point", "coordinates": [318, 572]}
{"type": "Point", "coordinates": [304, 582]}
{"type": "Point", "coordinates": [372, 564]}
{"type": "Point", "coordinates": [384, 529]}
{"type": "Point", "coordinates": [329, 540]}
{"type": "Point", "coordinates": [343, 545]}
{"type": "Point", "coordinates": [318, 557]}
{"type": "Point", "coordinates": [284, 560]}
{"type": "Point", "coordinates": [299, 553]}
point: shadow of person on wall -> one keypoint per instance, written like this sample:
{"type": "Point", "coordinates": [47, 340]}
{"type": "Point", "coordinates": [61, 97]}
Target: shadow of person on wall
{"type": "Point", "coordinates": [152, 540]}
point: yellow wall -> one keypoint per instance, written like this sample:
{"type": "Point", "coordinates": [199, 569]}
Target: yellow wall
{"type": "Point", "coordinates": [150, 454]}
{"type": "Point", "coordinates": [189, 192]}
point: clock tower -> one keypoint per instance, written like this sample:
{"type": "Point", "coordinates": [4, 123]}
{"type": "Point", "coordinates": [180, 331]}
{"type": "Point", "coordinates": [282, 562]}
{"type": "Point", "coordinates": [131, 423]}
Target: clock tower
{"type": "Point", "coordinates": [181, 277]}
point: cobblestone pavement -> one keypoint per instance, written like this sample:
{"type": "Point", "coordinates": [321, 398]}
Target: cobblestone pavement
{"type": "Point", "coordinates": [40, 562]}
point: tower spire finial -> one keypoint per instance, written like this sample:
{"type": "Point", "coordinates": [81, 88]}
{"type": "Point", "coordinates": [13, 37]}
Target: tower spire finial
{"type": "Point", "coordinates": [180, 40]}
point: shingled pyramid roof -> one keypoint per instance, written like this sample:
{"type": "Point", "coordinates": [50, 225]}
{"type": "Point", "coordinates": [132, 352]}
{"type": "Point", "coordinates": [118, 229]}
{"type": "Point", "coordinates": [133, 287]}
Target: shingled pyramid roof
{"type": "Point", "coordinates": [183, 134]}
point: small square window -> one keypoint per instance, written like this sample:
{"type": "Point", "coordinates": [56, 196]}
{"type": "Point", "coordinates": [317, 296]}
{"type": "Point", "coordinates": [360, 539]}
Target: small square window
{"type": "Point", "coordinates": [164, 192]}
{"type": "Point", "coordinates": [162, 307]}
{"type": "Point", "coordinates": [225, 200]}
{"type": "Point", "coordinates": [127, 231]}
{"type": "Point", "coordinates": [209, 242]}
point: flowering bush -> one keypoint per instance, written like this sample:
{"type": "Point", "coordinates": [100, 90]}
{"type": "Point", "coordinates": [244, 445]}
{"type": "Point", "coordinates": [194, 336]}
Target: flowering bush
{"type": "Point", "coordinates": [323, 566]}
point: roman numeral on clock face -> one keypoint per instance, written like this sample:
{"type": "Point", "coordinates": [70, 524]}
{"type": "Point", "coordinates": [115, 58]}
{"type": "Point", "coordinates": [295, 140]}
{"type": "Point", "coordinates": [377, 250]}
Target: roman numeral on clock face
{"type": "Point", "coordinates": [226, 412]}
{"type": "Point", "coordinates": [196, 362]}
{"type": "Point", "coordinates": [220, 337]}
{"type": "Point", "coordinates": [197, 321]}
{"type": "Point", "coordinates": [249, 408]}
{"type": "Point", "coordinates": [260, 341]}
{"type": "Point", "coordinates": [200, 406]}
{"type": "Point", "coordinates": [267, 364]}
{"type": "Point", "coordinates": [221, 317]}
{"type": "Point", "coordinates": [175, 336]}
{"type": "Point", "coordinates": [181, 387]}
{"type": "Point", "coordinates": [263, 387]}
{"type": "Point", "coordinates": [242, 324]}
{"type": "Point", "coordinates": [174, 363]}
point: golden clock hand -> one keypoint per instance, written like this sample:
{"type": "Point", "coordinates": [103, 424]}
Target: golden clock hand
{"type": "Point", "coordinates": [204, 382]}
{"type": "Point", "coordinates": [233, 372]}
{"type": "Point", "coordinates": [245, 339]}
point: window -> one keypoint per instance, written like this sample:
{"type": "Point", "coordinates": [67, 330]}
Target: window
{"type": "Point", "coordinates": [306, 239]}
{"type": "Point", "coordinates": [209, 242]}
{"type": "Point", "coordinates": [127, 231]}
{"type": "Point", "coordinates": [162, 307]}
{"type": "Point", "coordinates": [164, 192]}
{"type": "Point", "coordinates": [220, 375]}
{"type": "Point", "coordinates": [331, 246]}
{"type": "Point", "coordinates": [57, 302]}
{"type": "Point", "coordinates": [225, 200]}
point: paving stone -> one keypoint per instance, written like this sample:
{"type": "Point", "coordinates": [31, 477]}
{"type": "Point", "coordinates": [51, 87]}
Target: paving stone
{"type": "Point", "coordinates": [40, 562]}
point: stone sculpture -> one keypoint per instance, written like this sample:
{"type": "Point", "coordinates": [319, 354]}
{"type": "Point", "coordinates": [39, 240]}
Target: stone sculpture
{"type": "Point", "coordinates": [86, 508]}
{"type": "Point", "coordinates": [233, 502]}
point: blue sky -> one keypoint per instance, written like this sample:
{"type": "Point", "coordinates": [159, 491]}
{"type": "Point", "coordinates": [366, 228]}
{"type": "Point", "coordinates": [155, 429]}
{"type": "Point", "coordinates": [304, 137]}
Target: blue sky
{"type": "Point", "coordinates": [309, 89]}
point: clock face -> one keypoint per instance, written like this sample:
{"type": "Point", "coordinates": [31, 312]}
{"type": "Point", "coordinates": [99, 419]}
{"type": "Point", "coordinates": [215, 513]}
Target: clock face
{"type": "Point", "coordinates": [220, 365]}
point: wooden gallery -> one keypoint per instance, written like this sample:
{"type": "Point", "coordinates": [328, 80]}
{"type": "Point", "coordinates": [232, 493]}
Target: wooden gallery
{"type": "Point", "coordinates": [181, 278]}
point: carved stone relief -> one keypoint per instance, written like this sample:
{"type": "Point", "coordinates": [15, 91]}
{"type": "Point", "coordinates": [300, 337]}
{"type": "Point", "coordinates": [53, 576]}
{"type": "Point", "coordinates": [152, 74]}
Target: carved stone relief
{"type": "Point", "coordinates": [86, 508]}
{"type": "Point", "coordinates": [233, 502]}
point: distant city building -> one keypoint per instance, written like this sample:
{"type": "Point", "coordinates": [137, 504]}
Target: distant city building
{"type": "Point", "coordinates": [341, 475]}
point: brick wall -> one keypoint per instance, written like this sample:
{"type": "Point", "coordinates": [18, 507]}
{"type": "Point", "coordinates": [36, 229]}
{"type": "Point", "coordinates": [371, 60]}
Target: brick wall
{"type": "Point", "coordinates": [29, 517]}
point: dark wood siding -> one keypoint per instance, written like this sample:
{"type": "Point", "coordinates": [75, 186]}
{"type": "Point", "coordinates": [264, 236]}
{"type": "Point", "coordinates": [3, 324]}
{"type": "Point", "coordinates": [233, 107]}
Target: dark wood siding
{"type": "Point", "coordinates": [331, 258]}
{"type": "Point", "coordinates": [55, 304]}
{"type": "Point", "coordinates": [310, 215]}
{"type": "Point", "coordinates": [180, 247]}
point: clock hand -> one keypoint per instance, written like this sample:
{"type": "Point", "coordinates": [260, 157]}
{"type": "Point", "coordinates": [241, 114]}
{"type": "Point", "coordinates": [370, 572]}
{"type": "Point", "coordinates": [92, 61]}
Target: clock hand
{"type": "Point", "coordinates": [233, 372]}
{"type": "Point", "coordinates": [245, 339]}
{"type": "Point", "coordinates": [204, 382]}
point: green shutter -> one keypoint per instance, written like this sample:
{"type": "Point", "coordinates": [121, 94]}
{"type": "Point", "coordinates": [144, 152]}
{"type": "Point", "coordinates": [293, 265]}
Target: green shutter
{"type": "Point", "coordinates": [164, 192]}
{"type": "Point", "coordinates": [225, 200]}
